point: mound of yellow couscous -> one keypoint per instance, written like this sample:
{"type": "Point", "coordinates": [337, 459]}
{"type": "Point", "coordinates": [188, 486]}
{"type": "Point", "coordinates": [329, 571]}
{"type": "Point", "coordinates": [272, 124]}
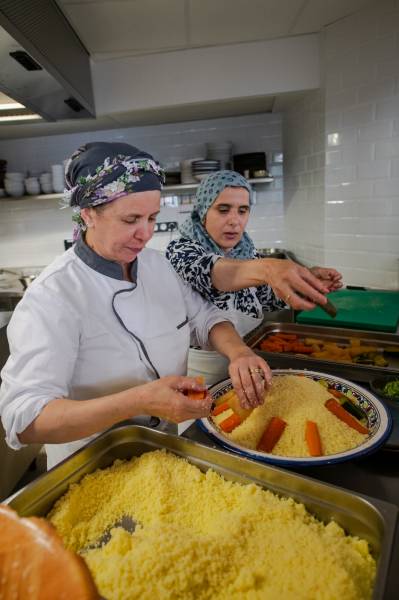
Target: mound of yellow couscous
{"type": "Point", "coordinates": [200, 537]}
{"type": "Point", "coordinates": [297, 400]}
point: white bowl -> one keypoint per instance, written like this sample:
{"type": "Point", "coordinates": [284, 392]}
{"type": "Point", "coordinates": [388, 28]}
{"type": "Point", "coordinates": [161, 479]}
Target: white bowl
{"type": "Point", "coordinates": [13, 186]}
{"type": "Point", "coordinates": [16, 193]}
{"type": "Point", "coordinates": [33, 191]}
{"type": "Point", "coordinates": [15, 176]}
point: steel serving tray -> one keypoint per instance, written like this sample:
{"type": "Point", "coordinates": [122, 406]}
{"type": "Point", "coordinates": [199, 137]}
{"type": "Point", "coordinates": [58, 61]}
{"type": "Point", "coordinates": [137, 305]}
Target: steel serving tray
{"type": "Point", "coordinates": [366, 517]}
{"type": "Point", "coordinates": [356, 372]}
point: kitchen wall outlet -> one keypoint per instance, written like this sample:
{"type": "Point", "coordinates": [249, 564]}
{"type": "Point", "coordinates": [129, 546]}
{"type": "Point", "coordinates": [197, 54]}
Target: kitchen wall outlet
{"type": "Point", "coordinates": [165, 226]}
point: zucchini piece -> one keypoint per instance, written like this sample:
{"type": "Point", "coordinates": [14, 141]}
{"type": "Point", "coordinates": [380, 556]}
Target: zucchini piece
{"type": "Point", "coordinates": [353, 409]}
{"type": "Point", "coordinates": [364, 359]}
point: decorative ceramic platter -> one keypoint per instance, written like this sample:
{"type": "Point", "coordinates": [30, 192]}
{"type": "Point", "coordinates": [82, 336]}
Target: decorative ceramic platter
{"type": "Point", "coordinates": [378, 417]}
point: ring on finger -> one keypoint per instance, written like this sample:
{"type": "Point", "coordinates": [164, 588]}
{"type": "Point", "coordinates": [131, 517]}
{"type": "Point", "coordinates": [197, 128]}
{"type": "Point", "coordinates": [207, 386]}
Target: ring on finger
{"type": "Point", "coordinates": [258, 371]}
{"type": "Point", "coordinates": [288, 296]}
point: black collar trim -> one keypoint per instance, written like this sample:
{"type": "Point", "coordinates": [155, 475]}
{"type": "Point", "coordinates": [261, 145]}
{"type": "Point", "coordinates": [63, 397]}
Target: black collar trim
{"type": "Point", "coordinates": [100, 264]}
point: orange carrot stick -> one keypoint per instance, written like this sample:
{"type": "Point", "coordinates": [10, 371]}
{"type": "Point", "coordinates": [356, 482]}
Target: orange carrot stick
{"type": "Point", "coordinates": [336, 409]}
{"type": "Point", "coordinates": [312, 437]}
{"type": "Point", "coordinates": [272, 434]}
{"type": "Point", "coordinates": [230, 423]}
{"type": "Point", "coordinates": [194, 395]}
{"type": "Point", "coordinates": [220, 408]}
{"type": "Point", "coordinates": [287, 336]}
{"type": "Point", "coordinates": [336, 393]}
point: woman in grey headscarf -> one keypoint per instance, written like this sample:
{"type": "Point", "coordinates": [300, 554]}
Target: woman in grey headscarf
{"type": "Point", "coordinates": [103, 333]}
{"type": "Point", "coordinates": [214, 234]}
{"type": "Point", "coordinates": [218, 259]}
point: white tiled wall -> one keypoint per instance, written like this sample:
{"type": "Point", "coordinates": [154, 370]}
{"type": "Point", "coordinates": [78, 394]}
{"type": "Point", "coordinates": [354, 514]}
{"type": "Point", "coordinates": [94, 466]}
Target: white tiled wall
{"type": "Point", "coordinates": [362, 146]}
{"type": "Point", "coordinates": [304, 171]}
{"type": "Point", "coordinates": [342, 154]}
{"type": "Point", "coordinates": [32, 232]}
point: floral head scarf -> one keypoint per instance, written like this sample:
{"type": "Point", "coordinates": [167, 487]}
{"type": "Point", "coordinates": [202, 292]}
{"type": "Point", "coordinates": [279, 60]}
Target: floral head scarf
{"type": "Point", "coordinates": [101, 172]}
{"type": "Point", "coordinates": [207, 192]}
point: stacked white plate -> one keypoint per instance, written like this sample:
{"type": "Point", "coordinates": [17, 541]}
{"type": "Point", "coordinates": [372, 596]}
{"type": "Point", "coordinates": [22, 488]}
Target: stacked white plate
{"type": "Point", "coordinates": [46, 183]}
{"type": "Point", "coordinates": [202, 168]}
{"type": "Point", "coordinates": [58, 178]}
{"type": "Point", "coordinates": [32, 186]}
{"type": "Point", "coordinates": [221, 151]}
{"type": "Point", "coordinates": [14, 184]}
{"type": "Point", "coordinates": [186, 173]}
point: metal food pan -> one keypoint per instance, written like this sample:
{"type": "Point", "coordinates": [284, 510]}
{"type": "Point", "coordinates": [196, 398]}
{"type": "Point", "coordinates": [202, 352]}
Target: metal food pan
{"type": "Point", "coordinates": [356, 372]}
{"type": "Point", "coordinates": [369, 518]}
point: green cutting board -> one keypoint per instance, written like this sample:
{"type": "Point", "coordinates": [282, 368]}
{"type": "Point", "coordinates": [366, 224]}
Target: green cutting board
{"type": "Point", "coordinates": [358, 309]}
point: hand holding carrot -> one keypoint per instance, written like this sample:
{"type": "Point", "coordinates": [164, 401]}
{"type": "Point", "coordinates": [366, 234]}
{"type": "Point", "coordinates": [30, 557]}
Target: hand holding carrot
{"type": "Point", "coordinates": [169, 398]}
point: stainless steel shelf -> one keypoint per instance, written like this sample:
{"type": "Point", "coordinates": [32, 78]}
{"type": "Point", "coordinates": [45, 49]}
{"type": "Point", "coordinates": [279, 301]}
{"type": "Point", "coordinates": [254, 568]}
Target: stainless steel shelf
{"type": "Point", "coordinates": [180, 188]}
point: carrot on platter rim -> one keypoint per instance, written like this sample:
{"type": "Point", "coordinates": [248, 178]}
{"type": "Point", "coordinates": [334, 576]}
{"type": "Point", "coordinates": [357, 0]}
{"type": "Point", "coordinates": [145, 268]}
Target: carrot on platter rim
{"type": "Point", "coordinates": [336, 409]}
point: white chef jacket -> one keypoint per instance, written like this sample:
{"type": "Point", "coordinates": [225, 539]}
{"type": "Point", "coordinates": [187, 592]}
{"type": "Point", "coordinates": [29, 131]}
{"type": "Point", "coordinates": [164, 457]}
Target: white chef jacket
{"type": "Point", "coordinates": [81, 332]}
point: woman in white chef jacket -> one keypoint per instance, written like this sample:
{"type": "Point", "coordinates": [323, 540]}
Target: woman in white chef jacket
{"type": "Point", "coordinates": [218, 259]}
{"type": "Point", "coordinates": [102, 335]}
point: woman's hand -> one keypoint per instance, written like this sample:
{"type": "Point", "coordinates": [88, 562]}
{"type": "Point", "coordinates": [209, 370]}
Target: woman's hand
{"type": "Point", "coordinates": [330, 277]}
{"type": "Point", "coordinates": [251, 378]}
{"type": "Point", "coordinates": [165, 398]}
{"type": "Point", "coordinates": [294, 284]}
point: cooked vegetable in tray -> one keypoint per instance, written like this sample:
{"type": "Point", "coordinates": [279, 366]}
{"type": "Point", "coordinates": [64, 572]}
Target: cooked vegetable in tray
{"type": "Point", "coordinates": [353, 351]}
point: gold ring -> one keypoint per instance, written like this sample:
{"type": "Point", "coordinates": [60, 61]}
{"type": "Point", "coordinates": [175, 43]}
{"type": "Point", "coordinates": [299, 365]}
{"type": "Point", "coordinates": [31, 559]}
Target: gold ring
{"type": "Point", "coordinates": [255, 371]}
{"type": "Point", "coordinates": [288, 297]}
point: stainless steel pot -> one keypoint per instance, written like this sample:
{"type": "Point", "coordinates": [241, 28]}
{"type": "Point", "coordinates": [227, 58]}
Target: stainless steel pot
{"type": "Point", "coordinates": [25, 280]}
{"type": "Point", "coordinates": [272, 252]}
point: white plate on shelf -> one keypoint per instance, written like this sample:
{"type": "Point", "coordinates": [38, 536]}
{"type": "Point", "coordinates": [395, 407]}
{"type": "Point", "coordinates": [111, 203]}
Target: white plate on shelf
{"type": "Point", "coordinates": [379, 423]}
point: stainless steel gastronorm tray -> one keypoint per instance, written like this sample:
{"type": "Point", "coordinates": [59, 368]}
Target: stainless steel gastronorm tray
{"type": "Point", "coordinates": [356, 372]}
{"type": "Point", "coordinates": [363, 516]}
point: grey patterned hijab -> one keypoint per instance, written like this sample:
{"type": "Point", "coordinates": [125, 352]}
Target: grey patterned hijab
{"type": "Point", "coordinates": [207, 193]}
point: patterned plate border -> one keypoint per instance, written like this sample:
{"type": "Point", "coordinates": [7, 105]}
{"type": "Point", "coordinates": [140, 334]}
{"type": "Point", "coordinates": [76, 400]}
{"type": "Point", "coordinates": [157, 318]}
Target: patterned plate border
{"type": "Point", "coordinates": [378, 417]}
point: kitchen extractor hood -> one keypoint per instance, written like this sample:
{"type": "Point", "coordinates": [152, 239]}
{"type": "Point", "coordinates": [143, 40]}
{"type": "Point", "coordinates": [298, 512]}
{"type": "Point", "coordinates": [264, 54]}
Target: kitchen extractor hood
{"type": "Point", "coordinates": [43, 64]}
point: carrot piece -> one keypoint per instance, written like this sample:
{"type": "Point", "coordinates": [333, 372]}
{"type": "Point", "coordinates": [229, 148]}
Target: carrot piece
{"type": "Point", "coordinates": [271, 347]}
{"type": "Point", "coordinates": [312, 437]}
{"type": "Point", "coordinates": [272, 434]}
{"type": "Point", "coordinates": [304, 349]}
{"type": "Point", "coordinates": [336, 393]}
{"type": "Point", "coordinates": [336, 409]}
{"type": "Point", "coordinates": [193, 394]}
{"type": "Point", "coordinates": [230, 423]}
{"type": "Point", "coordinates": [196, 395]}
{"type": "Point", "coordinates": [287, 346]}
{"type": "Point", "coordinates": [220, 408]}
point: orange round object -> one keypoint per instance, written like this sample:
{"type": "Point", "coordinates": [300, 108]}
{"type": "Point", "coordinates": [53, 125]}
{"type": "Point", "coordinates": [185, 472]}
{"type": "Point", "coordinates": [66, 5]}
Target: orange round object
{"type": "Point", "coordinates": [34, 565]}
